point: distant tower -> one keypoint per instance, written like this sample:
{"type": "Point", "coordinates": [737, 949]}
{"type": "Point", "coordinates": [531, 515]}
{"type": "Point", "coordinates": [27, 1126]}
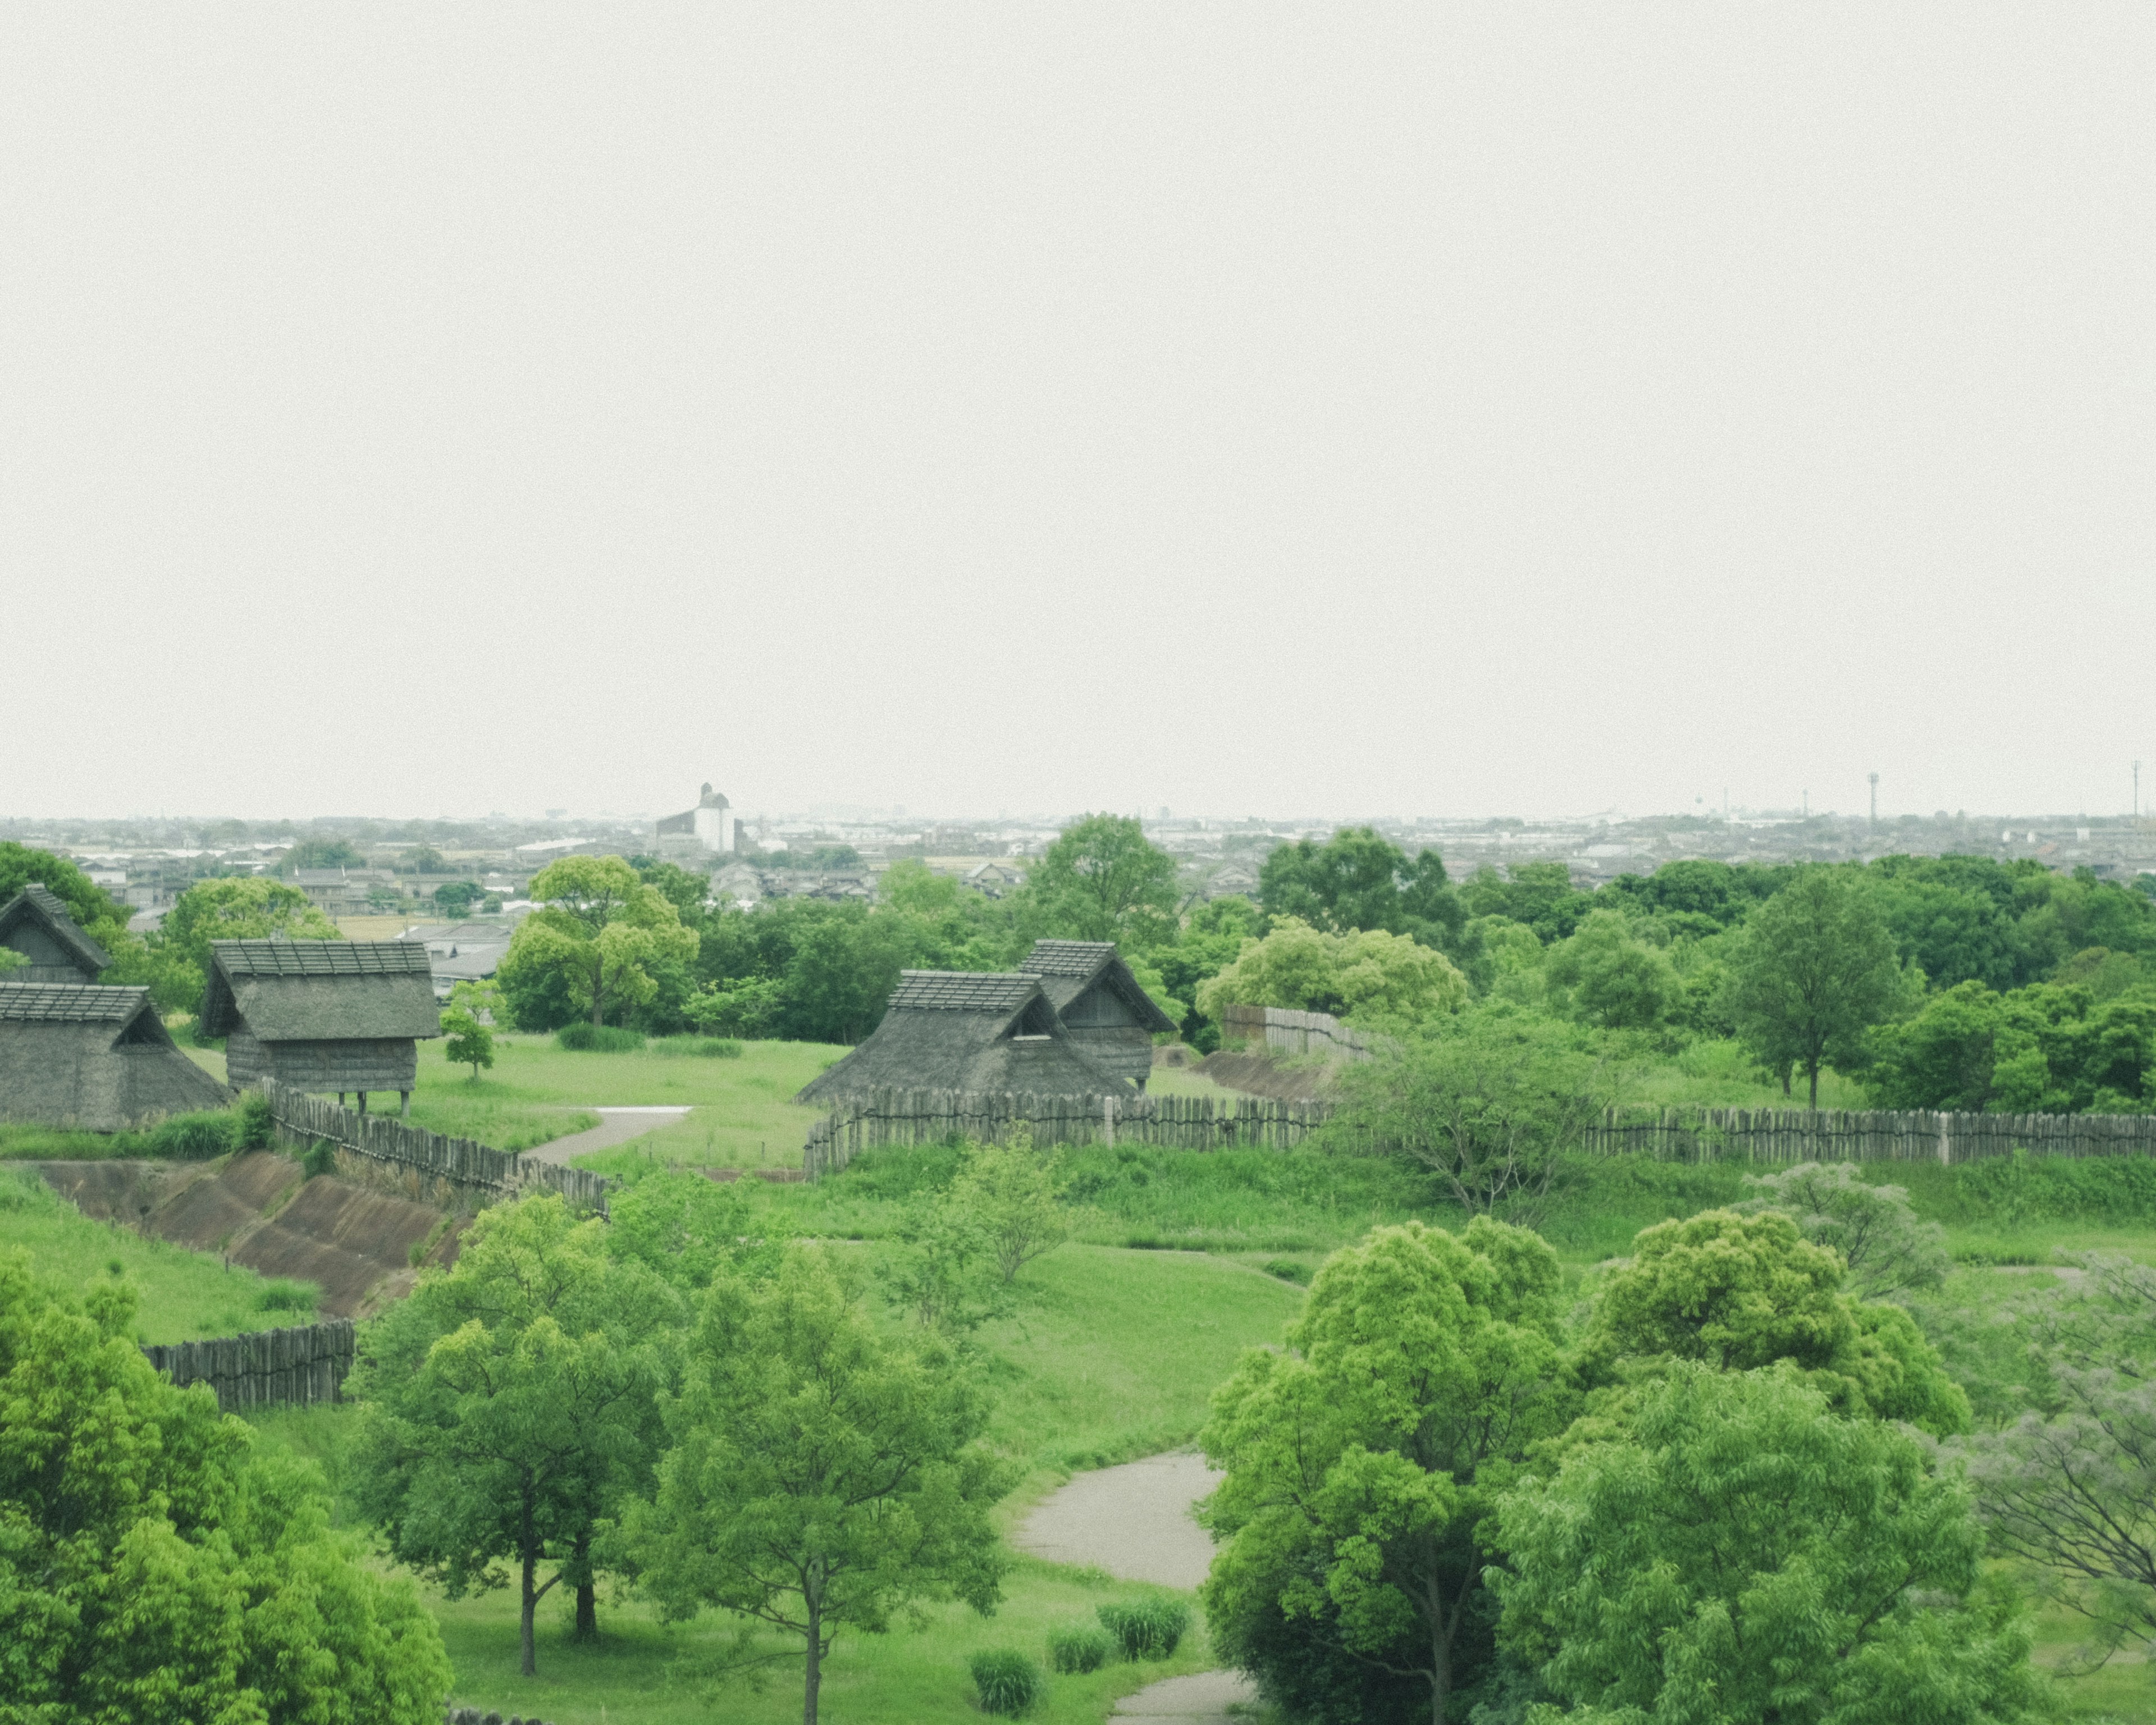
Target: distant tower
{"type": "Point", "coordinates": [1875, 798]}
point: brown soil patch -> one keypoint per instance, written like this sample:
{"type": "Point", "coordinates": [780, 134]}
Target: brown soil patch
{"type": "Point", "coordinates": [260, 1210]}
{"type": "Point", "coordinates": [120, 1191]}
{"type": "Point", "coordinates": [1302, 1079]}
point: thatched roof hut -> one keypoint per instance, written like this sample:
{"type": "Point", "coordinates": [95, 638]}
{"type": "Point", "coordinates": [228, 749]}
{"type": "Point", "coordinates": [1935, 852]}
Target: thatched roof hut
{"type": "Point", "coordinates": [322, 1015]}
{"type": "Point", "coordinates": [1103, 1008]}
{"type": "Point", "coordinates": [99, 1060]}
{"type": "Point", "coordinates": [37, 924]}
{"type": "Point", "coordinates": [969, 1031]}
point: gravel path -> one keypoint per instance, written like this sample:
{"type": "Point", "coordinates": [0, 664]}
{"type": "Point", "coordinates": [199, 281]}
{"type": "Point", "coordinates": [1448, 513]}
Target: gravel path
{"type": "Point", "coordinates": [617, 1125]}
{"type": "Point", "coordinates": [1133, 1521]}
{"type": "Point", "coordinates": [1203, 1699]}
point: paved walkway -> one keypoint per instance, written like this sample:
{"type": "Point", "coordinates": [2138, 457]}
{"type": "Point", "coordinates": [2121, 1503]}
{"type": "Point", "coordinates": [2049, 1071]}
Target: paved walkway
{"type": "Point", "coordinates": [1133, 1520]}
{"type": "Point", "coordinates": [617, 1125]}
{"type": "Point", "coordinates": [1202, 1699]}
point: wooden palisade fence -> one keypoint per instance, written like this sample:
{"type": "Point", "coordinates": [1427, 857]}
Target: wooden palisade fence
{"type": "Point", "coordinates": [271, 1367]}
{"type": "Point", "coordinates": [1292, 1032]}
{"type": "Point", "coordinates": [1848, 1135]}
{"type": "Point", "coordinates": [892, 1115]}
{"type": "Point", "coordinates": [461, 1163]}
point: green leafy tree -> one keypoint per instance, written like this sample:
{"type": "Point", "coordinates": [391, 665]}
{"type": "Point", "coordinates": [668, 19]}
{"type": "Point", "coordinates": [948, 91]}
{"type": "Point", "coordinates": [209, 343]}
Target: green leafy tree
{"type": "Point", "coordinates": [1491, 1101]}
{"type": "Point", "coordinates": [10, 959]}
{"type": "Point", "coordinates": [1612, 978]}
{"type": "Point", "coordinates": [509, 1407]}
{"type": "Point", "coordinates": [1885, 1250]}
{"type": "Point", "coordinates": [455, 898]}
{"type": "Point", "coordinates": [599, 936]}
{"type": "Point", "coordinates": [329, 853]}
{"type": "Point", "coordinates": [2042, 1049]}
{"type": "Point", "coordinates": [467, 1024]}
{"type": "Point", "coordinates": [1739, 1292]}
{"type": "Point", "coordinates": [824, 1473]}
{"type": "Point", "coordinates": [1015, 1196]}
{"type": "Point", "coordinates": [685, 1230]}
{"type": "Point", "coordinates": [1103, 879]}
{"type": "Point", "coordinates": [94, 913]}
{"type": "Point", "coordinates": [1365, 973]}
{"type": "Point", "coordinates": [1359, 880]}
{"type": "Point", "coordinates": [1539, 895]}
{"type": "Point", "coordinates": [1813, 970]}
{"type": "Point", "coordinates": [1364, 1461]}
{"type": "Point", "coordinates": [1743, 1554]}
{"type": "Point", "coordinates": [423, 859]}
{"type": "Point", "coordinates": [2069, 1485]}
{"type": "Point", "coordinates": [251, 908]}
{"type": "Point", "coordinates": [153, 1567]}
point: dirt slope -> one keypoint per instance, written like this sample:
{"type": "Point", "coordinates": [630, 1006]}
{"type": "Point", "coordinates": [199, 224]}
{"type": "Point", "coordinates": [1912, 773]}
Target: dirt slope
{"type": "Point", "coordinates": [260, 1209]}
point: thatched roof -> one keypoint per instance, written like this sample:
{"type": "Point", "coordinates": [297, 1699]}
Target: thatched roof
{"type": "Point", "coordinates": [1068, 969]}
{"type": "Point", "coordinates": [320, 991]}
{"type": "Point", "coordinates": [39, 909]}
{"type": "Point", "coordinates": [968, 1030]}
{"type": "Point", "coordinates": [101, 1059]}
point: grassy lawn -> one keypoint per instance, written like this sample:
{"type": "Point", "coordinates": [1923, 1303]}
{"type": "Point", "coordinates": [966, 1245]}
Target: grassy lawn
{"type": "Point", "coordinates": [185, 1295]}
{"type": "Point", "coordinates": [636, 1676]}
{"type": "Point", "coordinates": [535, 1089]}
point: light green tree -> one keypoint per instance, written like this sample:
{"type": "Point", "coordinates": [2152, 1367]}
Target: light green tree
{"type": "Point", "coordinates": [1014, 1197]}
{"type": "Point", "coordinates": [602, 931]}
{"type": "Point", "coordinates": [1743, 1554]}
{"type": "Point", "coordinates": [253, 908]}
{"type": "Point", "coordinates": [1363, 1462]}
{"type": "Point", "coordinates": [1812, 969]}
{"type": "Point", "coordinates": [1492, 1101]}
{"type": "Point", "coordinates": [1738, 1292]}
{"type": "Point", "coordinates": [1365, 972]}
{"type": "Point", "coordinates": [1885, 1249]}
{"type": "Point", "coordinates": [824, 1473]}
{"type": "Point", "coordinates": [1606, 976]}
{"type": "Point", "coordinates": [154, 1567]}
{"type": "Point", "coordinates": [509, 1407]}
{"type": "Point", "coordinates": [467, 1025]}
{"type": "Point", "coordinates": [1102, 880]}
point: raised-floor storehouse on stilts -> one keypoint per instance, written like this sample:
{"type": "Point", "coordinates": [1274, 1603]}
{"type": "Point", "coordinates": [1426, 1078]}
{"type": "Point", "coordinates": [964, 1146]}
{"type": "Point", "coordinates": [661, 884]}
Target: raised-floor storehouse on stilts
{"type": "Point", "coordinates": [328, 1016]}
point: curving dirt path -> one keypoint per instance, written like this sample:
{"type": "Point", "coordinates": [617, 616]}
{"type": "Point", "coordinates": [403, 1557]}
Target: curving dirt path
{"type": "Point", "coordinates": [617, 1125]}
{"type": "Point", "coordinates": [1135, 1522]}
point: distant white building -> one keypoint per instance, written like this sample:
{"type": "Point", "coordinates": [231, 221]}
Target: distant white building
{"type": "Point", "coordinates": [710, 824]}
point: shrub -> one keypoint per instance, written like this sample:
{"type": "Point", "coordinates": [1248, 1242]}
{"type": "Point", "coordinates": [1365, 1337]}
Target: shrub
{"type": "Point", "coordinates": [255, 1127]}
{"type": "Point", "coordinates": [599, 1039]}
{"type": "Point", "coordinates": [1080, 1647]}
{"type": "Point", "coordinates": [194, 1137]}
{"type": "Point", "coordinates": [1008, 1682]}
{"type": "Point", "coordinates": [283, 1295]}
{"type": "Point", "coordinates": [1287, 1270]}
{"type": "Point", "coordinates": [716, 1048]}
{"type": "Point", "coordinates": [1148, 1628]}
{"type": "Point", "coordinates": [320, 1159]}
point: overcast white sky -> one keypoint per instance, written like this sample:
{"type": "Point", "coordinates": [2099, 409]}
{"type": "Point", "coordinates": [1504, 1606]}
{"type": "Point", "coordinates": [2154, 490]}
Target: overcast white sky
{"type": "Point", "coordinates": [1515, 409]}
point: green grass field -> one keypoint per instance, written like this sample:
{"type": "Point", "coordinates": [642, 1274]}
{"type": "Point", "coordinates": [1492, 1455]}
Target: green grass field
{"type": "Point", "coordinates": [186, 1295]}
{"type": "Point", "coordinates": [535, 1091]}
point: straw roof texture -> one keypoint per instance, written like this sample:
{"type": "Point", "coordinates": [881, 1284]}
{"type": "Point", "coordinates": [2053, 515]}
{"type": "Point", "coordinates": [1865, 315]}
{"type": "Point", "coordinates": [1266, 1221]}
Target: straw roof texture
{"type": "Point", "coordinates": [969, 1031]}
{"type": "Point", "coordinates": [1069, 968]}
{"type": "Point", "coordinates": [320, 991]}
{"type": "Point", "coordinates": [100, 1059]}
{"type": "Point", "coordinates": [38, 910]}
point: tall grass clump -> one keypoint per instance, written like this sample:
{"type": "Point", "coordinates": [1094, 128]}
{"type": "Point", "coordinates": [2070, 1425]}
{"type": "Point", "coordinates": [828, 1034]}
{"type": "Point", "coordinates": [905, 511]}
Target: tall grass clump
{"type": "Point", "coordinates": [1149, 1628]}
{"type": "Point", "coordinates": [282, 1294]}
{"type": "Point", "coordinates": [1077, 1648]}
{"type": "Point", "coordinates": [254, 1128]}
{"type": "Point", "coordinates": [599, 1039]}
{"type": "Point", "coordinates": [710, 1048]}
{"type": "Point", "coordinates": [1008, 1682]}
{"type": "Point", "coordinates": [195, 1138]}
